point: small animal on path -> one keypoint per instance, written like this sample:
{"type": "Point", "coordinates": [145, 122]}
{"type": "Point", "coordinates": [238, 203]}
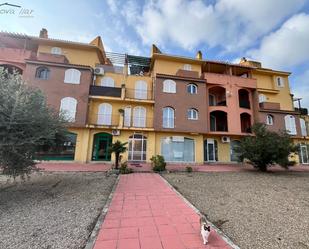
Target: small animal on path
{"type": "Point", "coordinates": [205, 229]}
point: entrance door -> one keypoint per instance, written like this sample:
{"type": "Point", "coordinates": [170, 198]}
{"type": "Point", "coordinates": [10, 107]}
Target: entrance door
{"type": "Point", "coordinates": [304, 154]}
{"type": "Point", "coordinates": [101, 145]}
{"type": "Point", "coordinates": [210, 150]}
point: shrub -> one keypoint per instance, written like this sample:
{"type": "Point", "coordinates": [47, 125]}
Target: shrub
{"type": "Point", "coordinates": [124, 168]}
{"type": "Point", "coordinates": [189, 169]}
{"type": "Point", "coordinates": [158, 163]}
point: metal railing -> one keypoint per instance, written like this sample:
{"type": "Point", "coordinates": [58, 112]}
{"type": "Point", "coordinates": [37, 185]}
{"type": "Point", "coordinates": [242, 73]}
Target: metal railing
{"type": "Point", "coordinates": [105, 91]}
{"type": "Point", "coordinates": [138, 122]}
{"type": "Point", "coordinates": [139, 94]}
{"type": "Point", "coordinates": [104, 119]}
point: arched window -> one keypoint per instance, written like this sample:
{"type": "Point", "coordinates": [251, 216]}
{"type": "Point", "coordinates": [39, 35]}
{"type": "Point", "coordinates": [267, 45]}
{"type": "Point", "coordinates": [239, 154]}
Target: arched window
{"type": "Point", "coordinates": [68, 108]}
{"type": "Point", "coordinates": [187, 67]}
{"type": "Point", "coordinates": [139, 116]}
{"type": "Point", "coordinates": [168, 117]}
{"type": "Point", "coordinates": [192, 89]}
{"type": "Point", "coordinates": [42, 73]}
{"type": "Point", "coordinates": [269, 119]}
{"type": "Point", "coordinates": [137, 147]}
{"type": "Point", "coordinates": [169, 86]}
{"type": "Point", "coordinates": [303, 127]}
{"type": "Point", "coordinates": [262, 98]}
{"type": "Point", "coordinates": [72, 76]}
{"type": "Point", "coordinates": [192, 114]}
{"type": "Point", "coordinates": [105, 114]}
{"type": "Point", "coordinates": [56, 50]}
{"type": "Point", "coordinates": [280, 81]}
{"type": "Point", "coordinates": [140, 89]}
{"type": "Point", "coordinates": [290, 124]}
{"type": "Point", "coordinates": [107, 81]}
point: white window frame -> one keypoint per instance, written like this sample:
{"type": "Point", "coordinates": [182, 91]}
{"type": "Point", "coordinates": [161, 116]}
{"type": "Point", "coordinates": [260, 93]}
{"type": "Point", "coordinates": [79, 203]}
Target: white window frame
{"type": "Point", "coordinates": [139, 116]}
{"type": "Point", "coordinates": [68, 106]}
{"type": "Point", "coordinates": [105, 111]}
{"type": "Point", "coordinates": [168, 117]}
{"type": "Point", "coordinates": [187, 67]}
{"type": "Point", "coordinates": [269, 119]}
{"type": "Point", "coordinates": [192, 114]}
{"type": "Point", "coordinates": [131, 152]}
{"type": "Point", "coordinates": [127, 116]}
{"type": "Point", "coordinates": [72, 76]}
{"type": "Point", "coordinates": [140, 91]}
{"type": "Point", "coordinates": [303, 127]}
{"type": "Point", "coordinates": [56, 50]}
{"type": "Point", "coordinates": [290, 124]}
{"type": "Point", "coordinates": [280, 81]}
{"type": "Point", "coordinates": [107, 81]}
{"type": "Point", "coordinates": [169, 86]}
{"type": "Point", "coordinates": [262, 98]}
{"type": "Point", "coordinates": [192, 88]}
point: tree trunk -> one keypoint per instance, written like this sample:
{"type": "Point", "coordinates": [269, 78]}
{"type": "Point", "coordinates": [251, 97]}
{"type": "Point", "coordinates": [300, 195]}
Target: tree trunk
{"type": "Point", "coordinates": [116, 160]}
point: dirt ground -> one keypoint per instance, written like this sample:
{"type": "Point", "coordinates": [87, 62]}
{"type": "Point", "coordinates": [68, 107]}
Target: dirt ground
{"type": "Point", "coordinates": [51, 210]}
{"type": "Point", "coordinates": [256, 210]}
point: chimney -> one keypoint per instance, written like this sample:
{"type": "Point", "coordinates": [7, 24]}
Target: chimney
{"type": "Point", "coordinates": [43, 33]}
{"type": "Point", "coordinates": [199, 55]}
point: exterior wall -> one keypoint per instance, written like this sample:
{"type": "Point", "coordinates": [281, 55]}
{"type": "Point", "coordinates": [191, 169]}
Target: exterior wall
{"type": "Point", "coordinates": [78, 56]}
{"type": "Point", "coordinates": [181, 101]}
{"type": "Point", "coordinates": [55, 89]}
{"type": "Point", "coordinates": [171, 67]}
{"type": "Point", "coordinates": [15, 56]}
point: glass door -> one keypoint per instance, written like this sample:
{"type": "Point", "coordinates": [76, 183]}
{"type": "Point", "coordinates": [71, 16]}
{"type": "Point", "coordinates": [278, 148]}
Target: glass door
{"type": "Point", "coordinates": [102, 143]}
{"type": "Point", "coordinates": [211, 151]}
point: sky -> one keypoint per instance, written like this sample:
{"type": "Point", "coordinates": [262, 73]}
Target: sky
{"type": "Point", "coordinates": [274, 32]}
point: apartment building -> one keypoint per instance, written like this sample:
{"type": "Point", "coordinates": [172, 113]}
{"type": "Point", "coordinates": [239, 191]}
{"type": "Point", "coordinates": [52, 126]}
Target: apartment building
{"type": "Point", "coordinates": [190, 110]}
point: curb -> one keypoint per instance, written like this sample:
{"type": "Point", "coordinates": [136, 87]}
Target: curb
{"type": "Point", "coordinates": [218, 231]}
{"type": "Point", "coordinates": [100, 219]}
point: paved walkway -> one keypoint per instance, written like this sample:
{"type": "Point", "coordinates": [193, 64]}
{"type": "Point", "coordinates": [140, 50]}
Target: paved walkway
{"type": "Point", "coordinates": [72, 166]}
{"type": "Point", "coordinates": [145, 213]}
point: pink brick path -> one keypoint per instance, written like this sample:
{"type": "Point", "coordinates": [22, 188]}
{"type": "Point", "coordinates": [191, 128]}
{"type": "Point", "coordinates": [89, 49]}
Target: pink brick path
{"type": "Point", "coordinates": [145, 213]}
{"type": "Point", "coordinates": [71, 166]}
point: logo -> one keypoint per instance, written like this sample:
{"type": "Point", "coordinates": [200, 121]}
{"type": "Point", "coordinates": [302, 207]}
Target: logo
{"type": "Point", "coordinates": [13, 9]}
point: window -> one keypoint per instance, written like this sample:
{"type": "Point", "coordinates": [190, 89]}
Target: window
{"type": "Point", "coordinates": [234, 145]}
{"type": "Point", "coordinates": [168, 117]}
{"type": "Point", "coordinates": [107, 81]}
{"type": "Point", "coordinates": [262, 98]}
{"type": "Point", "coordinates": [169, 86]}
{"type": "Point", "coordinates": [303, 127]}
{"type": "Point", "coordinates": [178, 149]}
{"type": "Point", "coordinates": [269, 119]}
{"type": "Point", "coordinates": [42, 73]}
{"type": "Point", "coordinates": [139, 116]}
{"type": "Point", "coordinates": [72, 76]}
{"type": "Point", "coordinates": [192, 88]}
{"type": "Point", "coordinates": [140, 90]}
{"type": "Point", "coordinates": [105, 114]}
{"type": "Point", "coordinates": [192, 114]}
{"type": "Point", "coordinates": [137, 148]}
{"type": "Point", "coordinates": [127, 116]}
{"type": "Point", "coordinates": [68, 108]}
{"type": "Point", "coordinates": [280, 82]}
{"type": "Point", "coordinates": [56, 50]}
{"type": "Point", "coordinates": [187, 67]}
{"type": "Point", "coordinates": [212, 100]}
{"type": "Point", "coordinates": [290, 124]}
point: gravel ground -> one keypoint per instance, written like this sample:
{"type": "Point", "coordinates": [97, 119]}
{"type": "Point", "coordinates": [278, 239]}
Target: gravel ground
{"type": "Point", "coordinates": [256, 210]}
{"type": "Point", "coordinates": [51, 210]}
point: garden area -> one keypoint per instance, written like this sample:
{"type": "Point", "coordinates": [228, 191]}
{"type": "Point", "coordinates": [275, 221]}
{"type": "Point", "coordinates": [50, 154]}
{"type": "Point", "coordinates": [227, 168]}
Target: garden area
{"type": "Point", "coordinates": [256, 210]}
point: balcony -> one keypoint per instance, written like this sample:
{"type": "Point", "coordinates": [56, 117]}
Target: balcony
{"type": "Point", "coordinates": [138, 122]}
{"type": "Point", "coordinates": [270, 106]}
{"type": "Point", "coordinates": [138, 94]}
{"type": "Point", "coordinates": [302, 111]}
{"type": "Point", "coordinates": [105, 91]}
{"type": "Point", "coordinates": [108, 120]}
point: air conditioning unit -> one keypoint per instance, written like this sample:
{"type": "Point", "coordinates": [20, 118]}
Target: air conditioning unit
{"type": "Point", "coordinates": [115, 132]}
{"type": "Point", "coordinates": [225, 139]}
{"type": "Point", "coordinates": [98, 70]}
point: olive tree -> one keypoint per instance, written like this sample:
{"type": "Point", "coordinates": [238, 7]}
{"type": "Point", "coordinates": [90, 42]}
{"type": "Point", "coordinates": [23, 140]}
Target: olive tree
{"type": "Point", "coordinates": [26, 122]}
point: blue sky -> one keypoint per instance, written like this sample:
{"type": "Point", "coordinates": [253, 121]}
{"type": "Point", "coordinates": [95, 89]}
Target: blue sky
{"type": "Point", "coordinates": [275, 32]}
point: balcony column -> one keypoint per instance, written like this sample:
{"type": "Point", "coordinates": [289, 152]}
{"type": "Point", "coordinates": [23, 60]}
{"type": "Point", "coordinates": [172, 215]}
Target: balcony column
{"type": "Point", "coordinates": [123, 91]}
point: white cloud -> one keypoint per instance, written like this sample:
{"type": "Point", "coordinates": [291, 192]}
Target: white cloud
{"type": "Point", "coordinates": [112, 4]}
{"type": "Point", "coordinates": [288, 46]}
{"type": "Point", "coordinates": [231, 24]}
{"type": "Point", "coordinates": [300, 88]}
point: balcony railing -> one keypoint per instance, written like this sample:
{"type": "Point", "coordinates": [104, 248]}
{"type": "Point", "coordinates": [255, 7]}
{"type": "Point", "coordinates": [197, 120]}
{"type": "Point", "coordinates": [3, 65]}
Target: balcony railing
{"type": "Point", "coordinates": [105, 91]}
{"type": "Point", "coordinates": [138, 122]}
{"type": "Point", "coordinates": [105, 120]}
{"type": "Point", "coordinates": [139, 94]}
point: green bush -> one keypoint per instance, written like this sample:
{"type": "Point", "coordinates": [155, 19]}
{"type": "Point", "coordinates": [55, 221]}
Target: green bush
{"type": "Point", "coordinates": [158, 163]}
{"type": "Point", "coordinates": [124, 168]}
{"type": "Point", "coordinates": [189, 169]}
